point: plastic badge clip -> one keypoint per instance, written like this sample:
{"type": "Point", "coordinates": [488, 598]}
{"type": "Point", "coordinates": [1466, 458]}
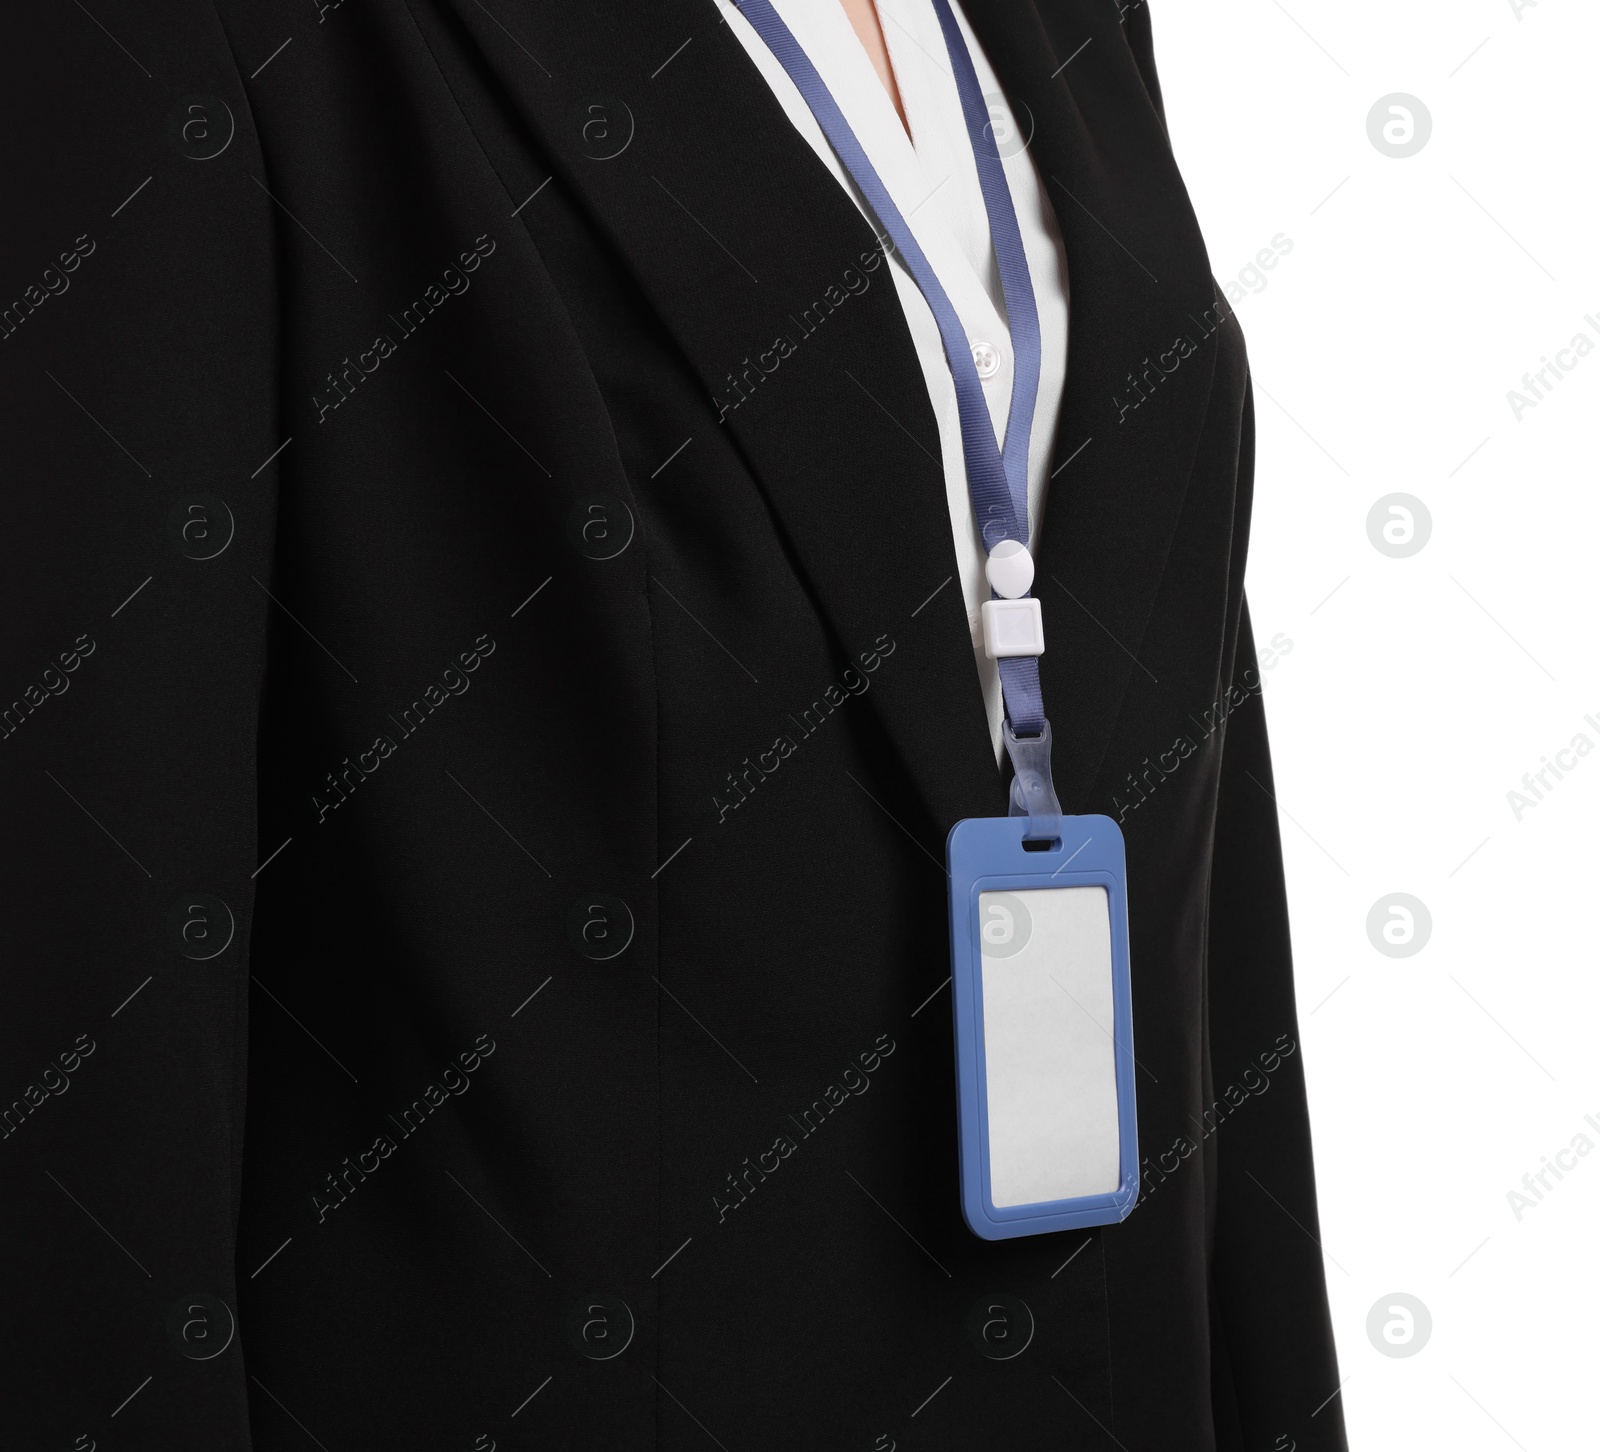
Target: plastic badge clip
{"type": "Point", "coordinates": [1033, 792]}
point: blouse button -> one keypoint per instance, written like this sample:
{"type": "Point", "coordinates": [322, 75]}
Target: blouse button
{"type": "Point", "coordinates": [986, 359]}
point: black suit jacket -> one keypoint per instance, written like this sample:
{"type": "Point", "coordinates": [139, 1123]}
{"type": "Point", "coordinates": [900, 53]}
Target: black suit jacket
{"type": "Point", "coordinates": [485, 695]}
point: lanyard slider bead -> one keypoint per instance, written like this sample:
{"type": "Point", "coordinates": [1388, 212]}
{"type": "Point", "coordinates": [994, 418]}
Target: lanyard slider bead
{"type": "Point", "coordinates": [1009, 569]}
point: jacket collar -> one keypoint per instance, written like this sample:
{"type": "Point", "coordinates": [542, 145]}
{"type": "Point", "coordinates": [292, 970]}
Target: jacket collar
{"type": "Point", "coordinates": [768, 278]}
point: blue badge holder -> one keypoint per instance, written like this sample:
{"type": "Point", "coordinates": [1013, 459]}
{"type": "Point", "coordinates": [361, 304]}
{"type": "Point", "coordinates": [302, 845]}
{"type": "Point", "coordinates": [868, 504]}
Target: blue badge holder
{"type": "Point", "coordinates": [987, 855]}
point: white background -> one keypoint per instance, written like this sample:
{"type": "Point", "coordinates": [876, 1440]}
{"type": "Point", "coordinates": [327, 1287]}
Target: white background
{"type": "Point", "coordinates": [1420, 690]}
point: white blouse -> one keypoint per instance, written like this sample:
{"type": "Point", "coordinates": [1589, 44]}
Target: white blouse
{"type": "Point", "coordinates": [934, 182]}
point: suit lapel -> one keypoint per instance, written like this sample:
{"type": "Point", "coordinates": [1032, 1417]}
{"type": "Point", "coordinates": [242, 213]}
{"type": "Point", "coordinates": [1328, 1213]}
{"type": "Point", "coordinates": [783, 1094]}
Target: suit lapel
{"type": "Point", "coordinates": [764, 273]}
{"type": "Point", "coordinates": [1135, 398]}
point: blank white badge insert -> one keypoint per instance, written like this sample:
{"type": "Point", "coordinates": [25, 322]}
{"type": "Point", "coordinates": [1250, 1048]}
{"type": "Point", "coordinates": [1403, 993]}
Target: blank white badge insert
{"type": "Point", "coordinates": [1049, 1054]}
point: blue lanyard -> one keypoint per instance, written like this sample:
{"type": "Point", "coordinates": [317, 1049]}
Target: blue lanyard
{"type": "Point", "coordinates": [997, 477]}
